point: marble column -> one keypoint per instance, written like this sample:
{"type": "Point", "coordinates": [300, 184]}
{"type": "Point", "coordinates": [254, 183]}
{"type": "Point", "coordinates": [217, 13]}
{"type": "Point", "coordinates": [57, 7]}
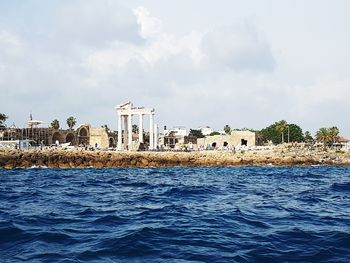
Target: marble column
{"type": "Point", "coordinates": [151, 132]}
{"type": "Point", "coordinates": [141, 129]}
{"type": "Point", "coordinates": [155, 136]}
{"type": "Point", "coordinates": [119, 133]}
{"type": "Point", "coordinates": [125, 137]}
{"type": "Point", "coordinates": [129, 131]}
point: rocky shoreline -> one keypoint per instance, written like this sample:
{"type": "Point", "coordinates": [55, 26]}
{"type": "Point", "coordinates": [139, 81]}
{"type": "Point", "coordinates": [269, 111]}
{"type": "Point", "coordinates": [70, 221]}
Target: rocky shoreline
{"type": "Point", "coordinates": [82, 159]}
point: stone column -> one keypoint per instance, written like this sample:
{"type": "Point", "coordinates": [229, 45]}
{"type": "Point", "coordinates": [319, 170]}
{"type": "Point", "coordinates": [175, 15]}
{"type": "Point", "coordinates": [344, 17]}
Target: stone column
{"type": "Point", "coordinates": [119, 132]}
{"type": "Point", "coordinates": [141, 128]}
{"type": "Point", "coordinates": [151, 132]}
{"type": "Point", "coordinates": [129, 132]}
{"type": "Point", "coordinates": [155, 136]}
{"type": "Point", "coordinates": [125, 131]}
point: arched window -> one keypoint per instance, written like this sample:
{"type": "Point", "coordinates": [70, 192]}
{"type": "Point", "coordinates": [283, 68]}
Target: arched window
{"type": "Point", "coordinates": [56, 137]}
{"type": "Point", "coordinates": [83, 132]}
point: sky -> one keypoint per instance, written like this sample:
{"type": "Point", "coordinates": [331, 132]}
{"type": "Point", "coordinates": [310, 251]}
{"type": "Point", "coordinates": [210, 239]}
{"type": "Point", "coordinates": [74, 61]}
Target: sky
{"type": "Point", "coordinates": [245, 63]}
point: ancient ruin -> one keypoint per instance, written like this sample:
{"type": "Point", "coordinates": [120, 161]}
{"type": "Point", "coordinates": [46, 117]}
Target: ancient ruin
{"type": "Point", "coordinates": [125, 113]}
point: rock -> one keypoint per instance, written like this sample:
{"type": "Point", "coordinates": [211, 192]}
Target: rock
{"type": "Point", "coordinates": [144, 162]}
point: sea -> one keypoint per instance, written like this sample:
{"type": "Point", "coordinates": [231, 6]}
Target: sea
{"type": "Point", "coordinates": [177, 214]}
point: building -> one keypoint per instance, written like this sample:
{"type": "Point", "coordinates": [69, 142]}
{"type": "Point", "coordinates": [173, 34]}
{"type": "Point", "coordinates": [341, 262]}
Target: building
{"type": "Point", "coordinates": [342, 143]}
{"type": "Point", "coordinates": [206, 130]}
{"type": "Point", "coordinates": [126, 112]}
{"type": "Point", "coordinates": [235, 139]}
{"type": "Point", "coordinates": [83, 135]}
{"type": "Point", "coordinates": [174, 136]}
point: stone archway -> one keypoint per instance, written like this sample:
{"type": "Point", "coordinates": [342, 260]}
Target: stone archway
{"type": "Point", "coordinates": [83, 136]}
{"type": "Point", "coordinates": [83, 132]}
{"type": "Point", "coordinates": [56, 137]}
{"type": "Point", "coordinates": [70, 138]}
{"type": "Point", "coordinates": [111, 142]}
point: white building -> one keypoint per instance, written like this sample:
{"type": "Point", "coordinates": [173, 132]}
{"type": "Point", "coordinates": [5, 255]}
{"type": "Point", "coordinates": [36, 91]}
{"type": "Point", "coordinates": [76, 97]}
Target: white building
{"type": "Point", "coordinates": [174, 136]}
{"type": "Point", "coordinates": [206, 130]}
{"type": "Point", "coordinates": [176, 131]}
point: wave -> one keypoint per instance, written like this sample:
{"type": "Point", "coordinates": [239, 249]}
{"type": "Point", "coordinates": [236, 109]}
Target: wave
{"type": "Point", "coordinates": [38, 167]}
{"type": "Point", "coordinates": [218, 214]}
{"type": "Point", "coordinates": [341, 187]}
{"type": "Point", "coordinates": [112, 220]}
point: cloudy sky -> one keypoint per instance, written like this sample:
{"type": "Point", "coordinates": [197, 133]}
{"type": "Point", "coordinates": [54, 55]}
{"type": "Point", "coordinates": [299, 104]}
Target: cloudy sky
{"type": "Point", "coordinates": [244, 63]}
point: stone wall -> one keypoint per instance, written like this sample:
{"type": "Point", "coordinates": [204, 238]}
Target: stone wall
{"type": "Point", "coordinates": [99, 136]}
{"type": "Point", "coordinates": [78, 158]}
{"type": "Point", "coordinates": [235, 139]}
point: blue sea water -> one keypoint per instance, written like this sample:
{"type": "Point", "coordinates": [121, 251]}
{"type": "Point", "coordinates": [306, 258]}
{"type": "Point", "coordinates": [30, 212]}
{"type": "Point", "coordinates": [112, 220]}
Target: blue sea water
{"type": "Point", "coordinates": [202, 214]}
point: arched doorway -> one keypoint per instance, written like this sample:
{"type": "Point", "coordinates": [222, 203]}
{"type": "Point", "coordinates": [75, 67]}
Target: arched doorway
{"type": "Point", "coordinates": [83, 136]}
{"type": "Point", "coordinates": [56, 137]}
{"type": "Point", "coordinates": [70, 138]}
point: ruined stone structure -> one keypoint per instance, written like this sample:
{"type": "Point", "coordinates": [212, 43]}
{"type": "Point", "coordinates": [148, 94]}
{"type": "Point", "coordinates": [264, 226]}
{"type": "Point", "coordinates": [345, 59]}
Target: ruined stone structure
{"type": "Point", "coordinates": [235, 139]}
{"type": "Point", "coordinates": [99, 137]}
{"type": "Point", "coordinates": [125, 113]}
{"type": "Point", "coordinates": [84, 135]}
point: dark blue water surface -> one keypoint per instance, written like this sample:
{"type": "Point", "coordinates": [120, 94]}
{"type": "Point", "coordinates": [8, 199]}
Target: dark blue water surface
{"type": "Point", "coordinates": [232, 214]}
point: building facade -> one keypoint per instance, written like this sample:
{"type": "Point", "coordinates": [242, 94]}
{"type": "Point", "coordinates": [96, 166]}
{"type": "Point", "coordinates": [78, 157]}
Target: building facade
{"type": "Point", "coordinates": [235, 139]}
{"type": "Point", "coordinates": [83, 135]}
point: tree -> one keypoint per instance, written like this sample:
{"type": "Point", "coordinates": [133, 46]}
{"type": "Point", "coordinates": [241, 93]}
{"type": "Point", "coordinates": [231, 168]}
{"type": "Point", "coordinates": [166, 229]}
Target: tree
{"type": "Point", "coordinates": [281, 127]}
{"type": "Point", "coordinates": [196, 133]}
{"type": "Point", "coordinates": [3, 118]}
{"type": "Point", "coordinates": [135, 128]}
{"type": "Point", "coordinates": [295, 133]}
{"type": "Point", "coordinates": [55, 124]}
{"type": "Point", "coordinates": [259, 138]}
{"type": "Point", "coordinates": [270, 133]}
{"type": "Point", "coordinates": [333, 133]}
{"type": "Point", "coordinates": [71, 122]}
{"type": "Point", "coordinates": [308, 138]}
{"type": "Point", "coordinates": [273, 133]}
{"type": "Point", "coordinates": [227, 129]}
{"type": "Point", "coordinates": [323, 135]}
{"type": "Point", "coordinates": [327, 135]}
{"type": "Point", "coordinates": [214, 133]}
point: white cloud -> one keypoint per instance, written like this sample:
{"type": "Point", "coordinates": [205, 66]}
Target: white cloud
{"type": "Point", "coordinates": [237, 47]}
{"type": "Point", "coordinates": [150, 27]}
{"type": "Point", "coordinates": [95, 23]}
{"type": "Point", "coordinates": [100, 53]}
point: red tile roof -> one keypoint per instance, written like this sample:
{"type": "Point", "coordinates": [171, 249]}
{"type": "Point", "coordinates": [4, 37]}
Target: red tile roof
{"type": "Point", "coordinates": [342, 139]}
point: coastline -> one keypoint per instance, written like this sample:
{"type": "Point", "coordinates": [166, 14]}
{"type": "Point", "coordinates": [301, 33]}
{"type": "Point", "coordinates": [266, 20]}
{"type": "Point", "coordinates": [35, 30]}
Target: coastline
{"type": "Point", "coordinates": [76, 158]}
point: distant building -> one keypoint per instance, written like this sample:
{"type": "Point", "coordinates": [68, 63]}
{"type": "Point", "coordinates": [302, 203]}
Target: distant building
{"type": "Point", "coordinates": [206, 130]}
{"type": "Point", "coordinates": [235, 139]}
{"type": "Point", "coordinates": [43, 136]}
{"type": "Point", "coordinates": [342, 143]}
{"type": "Point", "coordinates": [177, 131]}
{"type": "Point", "coordinates": [174, 136]}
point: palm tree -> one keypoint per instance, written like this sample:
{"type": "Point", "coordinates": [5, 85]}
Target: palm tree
{"type": "Point", "coordinates": [280, 127]}
{"type": "Point", "coordinates": [227, 129]}
{"type": "Point", "coordinates": [55, 124]}
{"type": "Point", "coordinates": [308, 137]}
{"type": "Point", "coordinates": [327, 135]}
{"type": "Point", "coordinates": [323, 135]}
{"type": "Point", "coordinates": [333, 133]}
{"type": "Point", "coordinates": [71, 122]}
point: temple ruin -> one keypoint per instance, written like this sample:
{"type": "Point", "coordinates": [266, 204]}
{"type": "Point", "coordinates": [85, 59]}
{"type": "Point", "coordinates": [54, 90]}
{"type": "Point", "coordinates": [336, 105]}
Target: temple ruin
{"type": "Point", "coordinates": [125, 113]}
